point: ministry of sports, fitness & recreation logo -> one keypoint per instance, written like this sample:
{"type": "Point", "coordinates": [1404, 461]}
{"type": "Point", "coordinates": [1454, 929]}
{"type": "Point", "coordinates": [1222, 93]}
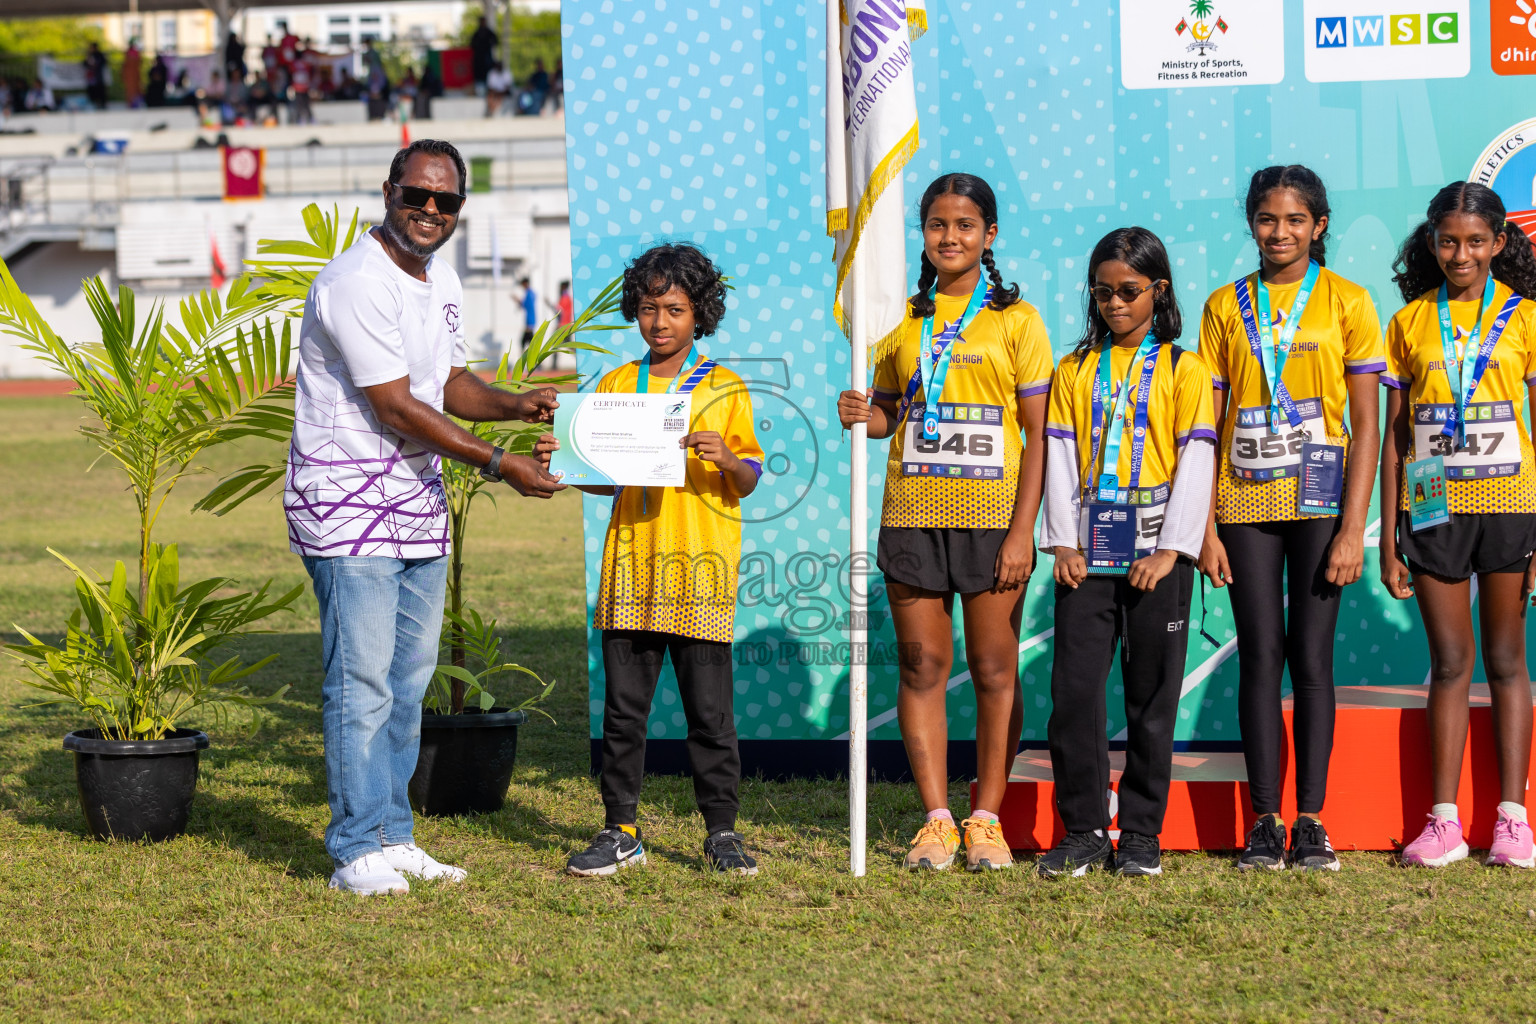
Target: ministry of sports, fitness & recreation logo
{"type": "Point", "coordinates": [1508, 166]}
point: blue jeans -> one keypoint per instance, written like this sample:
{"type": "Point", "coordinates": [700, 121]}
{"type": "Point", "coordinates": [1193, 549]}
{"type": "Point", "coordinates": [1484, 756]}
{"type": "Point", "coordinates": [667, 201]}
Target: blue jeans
{"type": "Point", "coordinates": [380, 620]}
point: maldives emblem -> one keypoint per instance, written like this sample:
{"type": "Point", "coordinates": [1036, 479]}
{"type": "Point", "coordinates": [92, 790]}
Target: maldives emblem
{"type": "Point", "coordinates": [1206, 22]}
{"type": "Point", "coordinates": [451, 315]}
{"type": "Point", "coordinates": [1508, 166]}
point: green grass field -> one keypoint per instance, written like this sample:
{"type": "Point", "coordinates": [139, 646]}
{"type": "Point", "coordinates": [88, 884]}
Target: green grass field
{"type": "Point", "coordinates": [234, 922]}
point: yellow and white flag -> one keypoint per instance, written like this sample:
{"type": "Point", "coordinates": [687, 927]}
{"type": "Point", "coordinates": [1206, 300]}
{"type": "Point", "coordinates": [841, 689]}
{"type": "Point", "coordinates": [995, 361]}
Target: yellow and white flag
{"type": "Point", "coordinates": [871, 134]}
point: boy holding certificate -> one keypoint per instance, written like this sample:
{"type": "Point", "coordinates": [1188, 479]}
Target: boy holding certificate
{"type": "Point", "coordinates": [669, 565]}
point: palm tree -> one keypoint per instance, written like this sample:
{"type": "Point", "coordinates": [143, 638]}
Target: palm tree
{"type": "Point", "coordinates": [1201, 9]}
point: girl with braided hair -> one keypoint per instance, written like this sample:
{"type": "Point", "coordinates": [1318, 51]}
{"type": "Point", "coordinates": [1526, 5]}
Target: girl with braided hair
{"type": "Point", "coordinates": [1461, 360]}
{"type": "Point", "coordinates": [964, 392]}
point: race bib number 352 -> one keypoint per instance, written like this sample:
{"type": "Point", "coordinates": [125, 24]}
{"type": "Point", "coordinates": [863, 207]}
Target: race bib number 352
{"type": "Point", "coordinates": [1491, 448]}
{"type": "Point", "coordinates": [970, 444]}
{"type": "Point", "coordinates": [1258, 454]}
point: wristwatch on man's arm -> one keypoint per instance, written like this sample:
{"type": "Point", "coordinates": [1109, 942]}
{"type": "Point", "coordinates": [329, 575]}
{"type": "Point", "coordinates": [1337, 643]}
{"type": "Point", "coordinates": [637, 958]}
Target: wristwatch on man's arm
{"type": "Point", "coordinates": [492, 470]}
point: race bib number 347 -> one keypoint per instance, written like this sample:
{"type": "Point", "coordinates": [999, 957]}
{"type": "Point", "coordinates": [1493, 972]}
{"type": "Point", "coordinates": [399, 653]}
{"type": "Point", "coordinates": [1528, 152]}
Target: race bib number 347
{"type": "Point", "coordinates": [1492, 446]}
{"type": "Point", "coordinates": [970, 444]}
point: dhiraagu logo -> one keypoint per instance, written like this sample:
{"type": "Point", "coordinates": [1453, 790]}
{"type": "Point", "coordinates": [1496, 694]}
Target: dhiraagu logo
{"type": "Point", "coordinates": [1373, 40]}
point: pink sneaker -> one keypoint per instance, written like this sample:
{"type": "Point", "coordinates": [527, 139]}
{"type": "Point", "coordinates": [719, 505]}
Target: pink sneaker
{"type": "Point", "coordinates": [1513, 846]}
{"type": "Point", "coordinates": [1438, 845]}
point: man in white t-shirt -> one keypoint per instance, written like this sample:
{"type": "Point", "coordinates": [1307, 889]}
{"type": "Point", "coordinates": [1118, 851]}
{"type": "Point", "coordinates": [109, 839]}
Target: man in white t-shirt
{"type": "Point", "coordinates": [381, 357]}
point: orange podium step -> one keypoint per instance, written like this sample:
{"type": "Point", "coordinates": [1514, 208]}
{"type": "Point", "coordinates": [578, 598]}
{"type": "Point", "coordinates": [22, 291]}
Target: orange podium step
{"type": "Point", "coordinates": [1378, 781]}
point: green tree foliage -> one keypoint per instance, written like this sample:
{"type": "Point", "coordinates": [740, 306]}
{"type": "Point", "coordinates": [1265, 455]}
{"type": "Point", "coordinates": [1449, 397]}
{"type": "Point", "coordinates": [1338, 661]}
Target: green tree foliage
{"type": "Point", "coordinates": [535, 36]}
{"type": "Point", "coordinates": [62, 37]}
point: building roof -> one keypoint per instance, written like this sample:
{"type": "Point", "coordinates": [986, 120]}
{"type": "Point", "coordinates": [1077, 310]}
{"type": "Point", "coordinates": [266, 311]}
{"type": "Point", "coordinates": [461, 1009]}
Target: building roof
{"type": "Point", "coordinates": [64, 8]}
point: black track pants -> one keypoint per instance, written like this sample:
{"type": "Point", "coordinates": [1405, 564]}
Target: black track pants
{"type": "Point", "coordinates": [632, 664]}
{"type": "Point", "coordinates": [1272, 637]}
{"type": "Point", "coordinates": [1152, 630]}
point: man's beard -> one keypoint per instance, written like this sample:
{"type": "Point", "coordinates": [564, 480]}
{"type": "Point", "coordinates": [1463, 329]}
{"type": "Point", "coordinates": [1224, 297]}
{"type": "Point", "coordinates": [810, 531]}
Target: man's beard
{"type": "Point", "coordinates": [396, 226]}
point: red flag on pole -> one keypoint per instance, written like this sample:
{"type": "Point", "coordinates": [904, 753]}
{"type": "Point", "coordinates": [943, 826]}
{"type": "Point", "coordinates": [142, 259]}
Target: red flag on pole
{"type": "Point", "coordinates": [215, 261]}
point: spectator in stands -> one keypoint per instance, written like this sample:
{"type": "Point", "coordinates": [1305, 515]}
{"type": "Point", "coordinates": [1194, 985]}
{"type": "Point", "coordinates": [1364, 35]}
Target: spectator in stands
{"type": "Point", "coordinates": [538, 89]}
{"type": "Point", "coordinates": [405, 95]}
{"type": "Point", "coordinates": [260, 101]}
{"type": "Point", "coordinates": [378, 85]}
{"type": "Point", "coordinates": [133, 75]}
{"type": "Point", "coordinates": [348, 87]}
{"type": "Point", "coordinates": [234, 58]}
{"type": "Point", "coordinates": [96, 77]}
{"type": "Point", "coordinates": [182, 92]}
{"type": "Point", "coordinates": [482, 54]}
{"type": "Point", "coordinates": [288, 46]}
{"type": "Point", "coordinates": [210, 101]}
{"type": "Point", "coordinates": [7, 102]}
{"type": "Point", "coordinates": [40, 97]}
{"type": "Point", "coordinates": [270, 56]}
{"type": "Point", "coordinates": [300, 81]}
{"type": "Point", "coordinates": [498, 86]}
{"type": "Point", "coordinates": [530, 310]}
{"type": "Point", "coordinates": [430, 88]}
{"type": "Point", "coordinates": [159, 82]}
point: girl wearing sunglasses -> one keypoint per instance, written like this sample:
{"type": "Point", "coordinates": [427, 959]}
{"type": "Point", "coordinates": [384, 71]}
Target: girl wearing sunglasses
{"type": "Point", "coordinates": [1130, 439]}
{"type": "Point", "coordinates": [967, 375]}
{"type": "Point", "coordinates": [1289, 346]}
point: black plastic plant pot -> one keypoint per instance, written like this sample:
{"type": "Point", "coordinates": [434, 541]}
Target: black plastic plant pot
{"type": "Point", "coordinates": [136, 789]}
{"type": "Point", "coordinates": [466, 761]}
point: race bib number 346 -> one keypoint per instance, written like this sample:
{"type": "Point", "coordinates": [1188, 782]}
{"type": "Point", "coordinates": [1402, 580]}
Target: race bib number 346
{"type": "Point", "coordinates": [970, 445]}
{"type": "Point", "coordinates": [1492, 446]}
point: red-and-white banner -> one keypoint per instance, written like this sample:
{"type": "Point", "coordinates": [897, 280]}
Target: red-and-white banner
{"type": "Point", "coordinates": [244, 172]}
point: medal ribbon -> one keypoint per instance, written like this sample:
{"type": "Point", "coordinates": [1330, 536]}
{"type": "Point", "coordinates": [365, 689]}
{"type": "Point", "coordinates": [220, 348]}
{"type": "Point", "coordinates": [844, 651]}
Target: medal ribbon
{"type": "Point", "coordinates": [1463, 384]}
{"type": "Point", "coordinates": [1108, 469]}
{"type": "Point", "coordinates": [1270, 353]}
{"type": "Point", "coordinates": [682, 384]}
{"type": "Point", "coordinates": [932, 372]}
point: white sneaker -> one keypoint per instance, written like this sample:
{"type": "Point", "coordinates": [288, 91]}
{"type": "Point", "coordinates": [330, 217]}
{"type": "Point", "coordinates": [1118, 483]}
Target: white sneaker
{"type": "Point", "coordinates": [410, 859]}
{"type": "Point", "coordinates": [369, 875]}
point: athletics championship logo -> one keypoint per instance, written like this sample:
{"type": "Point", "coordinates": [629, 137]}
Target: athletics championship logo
{"type": "Point", "coordinates": [1508, 166]}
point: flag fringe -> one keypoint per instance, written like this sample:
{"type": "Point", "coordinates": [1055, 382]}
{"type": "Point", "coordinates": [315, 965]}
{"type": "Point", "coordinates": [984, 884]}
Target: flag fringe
{"type": "Point", "coordinates": [884, 173]}
{"type": "Point", "coordinates": [917, 23]}
{"type": "Point", "coordinates": [837, 220]}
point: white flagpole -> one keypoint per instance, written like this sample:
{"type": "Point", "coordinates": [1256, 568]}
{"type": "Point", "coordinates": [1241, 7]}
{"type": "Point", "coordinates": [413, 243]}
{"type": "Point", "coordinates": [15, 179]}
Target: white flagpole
{"type": "Point", "coordinates": [858, 605]}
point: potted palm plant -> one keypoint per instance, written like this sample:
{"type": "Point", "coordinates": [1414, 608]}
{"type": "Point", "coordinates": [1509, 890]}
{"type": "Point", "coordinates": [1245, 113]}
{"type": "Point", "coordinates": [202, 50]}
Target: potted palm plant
{"type": "Point", "coordinates": [468, 735]}
{"type": "Point", "coordinates": [139, 661]}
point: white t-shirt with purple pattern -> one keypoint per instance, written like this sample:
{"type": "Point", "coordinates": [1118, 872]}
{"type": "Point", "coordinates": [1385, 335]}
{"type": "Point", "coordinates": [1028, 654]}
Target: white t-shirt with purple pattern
{"type": "Point", "coordinates": [355, 487]}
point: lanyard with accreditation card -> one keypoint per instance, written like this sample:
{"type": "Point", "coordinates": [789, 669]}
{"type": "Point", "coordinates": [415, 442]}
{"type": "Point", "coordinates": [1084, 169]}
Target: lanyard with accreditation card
{"type": "Point", "coordinates": [694, 369]}
{"type": "Point", "coordinates": [1320, 475]}
{"type": "Point", "coordinates": [1112, 526]}
{"type": "Point", "coordinates": [1428, 500]}
{"type": "Point", "coordinates": [933, 361]}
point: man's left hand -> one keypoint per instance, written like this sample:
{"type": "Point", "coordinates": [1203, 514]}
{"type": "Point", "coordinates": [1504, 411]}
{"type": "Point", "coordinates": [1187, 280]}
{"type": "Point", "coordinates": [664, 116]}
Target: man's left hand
{"type": "Point", "coordinates": [539, 406]}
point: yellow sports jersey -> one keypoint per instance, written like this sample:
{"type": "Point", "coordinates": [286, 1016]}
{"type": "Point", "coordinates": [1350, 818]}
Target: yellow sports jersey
{"type": "Point", "coordinates": [1179, 411]}
{"type": "Point", "coordinates": [1339, 334]}
{"type": "Point", "coordinates": [1484, 476]}
{"type": "Point", "coordinates": [969, 477]}
{"type": "Point", "coordinates": [670, 557]}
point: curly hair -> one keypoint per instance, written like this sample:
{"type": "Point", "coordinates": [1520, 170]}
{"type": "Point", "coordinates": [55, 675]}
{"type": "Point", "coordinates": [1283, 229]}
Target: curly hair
{"type": "Point", "coordinates": [661, 268]}
{"type": "Point", "coordinates": [1417, 270]}
{"type": "Point", "coordinates": [1140, 250]}
{"type": "Point", "coordinates": [1309, 189]}
{"type": "Point", "coordinates": [979, 192]}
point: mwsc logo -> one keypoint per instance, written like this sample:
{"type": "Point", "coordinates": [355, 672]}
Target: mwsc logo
{"type": "Point", "coordinates": [1373, 40]}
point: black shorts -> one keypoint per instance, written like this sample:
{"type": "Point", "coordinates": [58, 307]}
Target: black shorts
{"type": "Point", "coordinates": [948, 561]}
{"type": "Point", "coordinates": [1470, 543]}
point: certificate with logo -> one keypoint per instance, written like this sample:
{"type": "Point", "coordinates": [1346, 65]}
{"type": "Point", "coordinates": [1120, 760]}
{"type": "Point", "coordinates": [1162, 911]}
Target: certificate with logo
{"type": "Point", "coordinates": [617, 439]}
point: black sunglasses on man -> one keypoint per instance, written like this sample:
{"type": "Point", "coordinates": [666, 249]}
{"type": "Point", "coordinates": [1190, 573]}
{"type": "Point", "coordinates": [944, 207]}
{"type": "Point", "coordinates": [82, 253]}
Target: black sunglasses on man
{"type": "Point", "coordinates": [415, 197]}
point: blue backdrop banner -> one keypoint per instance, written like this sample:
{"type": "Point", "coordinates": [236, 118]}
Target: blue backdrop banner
{"type": "Point", "coordinates": [702, 120]}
